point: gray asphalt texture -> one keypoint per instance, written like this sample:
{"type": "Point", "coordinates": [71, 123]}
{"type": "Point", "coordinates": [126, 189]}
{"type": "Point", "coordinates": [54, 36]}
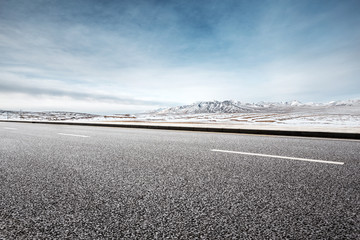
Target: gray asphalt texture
{"type": "Point", "coordinates": [159, 184]}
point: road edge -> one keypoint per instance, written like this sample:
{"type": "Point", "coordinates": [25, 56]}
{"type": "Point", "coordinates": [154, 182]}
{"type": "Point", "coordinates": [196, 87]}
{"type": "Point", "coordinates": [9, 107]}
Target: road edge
{"type": "Point", "coordinates": [340, 135]}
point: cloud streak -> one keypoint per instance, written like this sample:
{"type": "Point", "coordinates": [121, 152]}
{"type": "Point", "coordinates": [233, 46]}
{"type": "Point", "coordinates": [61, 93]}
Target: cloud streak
{"type": "Point", "coordinates": [36, 91]}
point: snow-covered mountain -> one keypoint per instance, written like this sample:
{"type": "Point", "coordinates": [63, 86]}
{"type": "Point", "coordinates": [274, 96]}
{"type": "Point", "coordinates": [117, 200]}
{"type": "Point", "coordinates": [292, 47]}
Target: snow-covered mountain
{"type": "Point", "coordinates": [213, 108]}
{"type": "Point", "coordinates": [208, 107]}
{"type": "Point", "coordinates": [230, 106]}
{"type": "Point", "coordinates": [234, 113]}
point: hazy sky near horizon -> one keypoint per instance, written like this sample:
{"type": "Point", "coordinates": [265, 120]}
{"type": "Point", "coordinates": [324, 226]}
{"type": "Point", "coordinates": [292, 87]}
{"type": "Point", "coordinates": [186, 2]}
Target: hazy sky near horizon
{"type": "Point", "coordinates": [133, 56]}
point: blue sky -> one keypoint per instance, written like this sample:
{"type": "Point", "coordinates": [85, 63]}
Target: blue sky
{"type": "Point", "coordinates": [133, 56]}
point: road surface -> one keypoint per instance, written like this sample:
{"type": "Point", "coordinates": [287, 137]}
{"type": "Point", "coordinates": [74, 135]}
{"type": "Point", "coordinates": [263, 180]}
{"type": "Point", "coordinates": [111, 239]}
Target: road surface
{"type": "Point", "coordinates": [81, 182]}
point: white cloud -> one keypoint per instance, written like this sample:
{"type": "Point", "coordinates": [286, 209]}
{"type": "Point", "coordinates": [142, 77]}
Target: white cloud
{"type": "Point", "coordinates": [26, 102]}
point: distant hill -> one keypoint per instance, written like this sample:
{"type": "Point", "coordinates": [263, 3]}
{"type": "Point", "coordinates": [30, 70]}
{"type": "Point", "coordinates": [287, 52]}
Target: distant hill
{"type": "Point", "coordinates": [230, 106]}
{"type": "Point", "coordinates": [48, 115]}
{"type": "Point", "coordinates": [208, 107]}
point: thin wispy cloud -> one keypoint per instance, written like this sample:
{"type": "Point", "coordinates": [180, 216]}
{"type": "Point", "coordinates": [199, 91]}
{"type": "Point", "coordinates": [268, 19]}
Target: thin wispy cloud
{"type": "Point", "coordinates": [141, 55]}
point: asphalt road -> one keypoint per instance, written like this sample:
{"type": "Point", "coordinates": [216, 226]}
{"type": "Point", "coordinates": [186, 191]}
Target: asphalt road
{"type": "Point", "coordinates": [76, 182]}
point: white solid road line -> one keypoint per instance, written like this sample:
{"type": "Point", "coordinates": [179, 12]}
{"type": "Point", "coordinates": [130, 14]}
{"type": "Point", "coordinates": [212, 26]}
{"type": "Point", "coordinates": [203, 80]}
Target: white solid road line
{"type": "Point", "coordinates": [10, 128]}
{"type": "Point", "coordinates": [73, 135]}
{"type": "Point", "coordinates": [282, 157]}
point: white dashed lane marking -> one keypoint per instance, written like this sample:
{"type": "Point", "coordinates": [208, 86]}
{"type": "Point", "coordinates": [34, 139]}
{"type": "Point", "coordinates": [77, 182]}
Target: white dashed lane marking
{"type": "Point", "coordinates": [73, 135]}
{"type": "Point", "coordinates": [275, 156]}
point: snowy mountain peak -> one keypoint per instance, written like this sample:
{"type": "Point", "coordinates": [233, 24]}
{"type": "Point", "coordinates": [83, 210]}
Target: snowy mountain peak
{"type": "Point", "coordinates": [295, 103]}
{"type": "Point", "coordinates": [227, 106]}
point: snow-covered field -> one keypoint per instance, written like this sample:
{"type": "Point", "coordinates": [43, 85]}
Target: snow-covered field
{"type": "Point", "coordinates": [45, 116]}
{"type": "Point", "coordinates": [344, 113]}
{"type": "Point", "coordinates": [319, 119]}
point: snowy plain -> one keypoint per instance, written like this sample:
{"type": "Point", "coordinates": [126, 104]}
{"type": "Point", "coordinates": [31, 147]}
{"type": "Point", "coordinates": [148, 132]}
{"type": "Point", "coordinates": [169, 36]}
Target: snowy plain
{"type": "Point", "coordinates": [231, 113]}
